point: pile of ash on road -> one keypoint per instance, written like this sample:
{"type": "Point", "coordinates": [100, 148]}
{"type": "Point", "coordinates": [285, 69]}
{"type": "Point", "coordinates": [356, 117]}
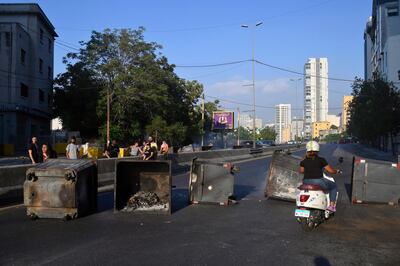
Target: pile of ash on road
{"type": "Point", "coordinates": [144, 201]}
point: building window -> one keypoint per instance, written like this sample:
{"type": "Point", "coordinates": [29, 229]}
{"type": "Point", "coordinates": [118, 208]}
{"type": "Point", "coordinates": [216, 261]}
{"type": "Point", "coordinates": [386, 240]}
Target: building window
{"type": "Point", "coordinates": [41, 95]}
{"type": "Point", "coordinates": [49, 43]}
{"type": "Point", "coordinates": [392, 11]}
{"type": "Point", "coordinates": [308, 66]}
{"type": "Point", "coordinates": [8, 39]}
{"type": "Point", "coordinates": [41, 36]}
{"type": "Point", "coordinates": [23, 56]}
{"type": "Point", "coordinates": [398, 74]}
{"type": "Point", "coordinates": [49, 72]}
{"type": "Point", "coordinates": [40, 65]}
{"type": "Point", "coordinates": [24, 90]}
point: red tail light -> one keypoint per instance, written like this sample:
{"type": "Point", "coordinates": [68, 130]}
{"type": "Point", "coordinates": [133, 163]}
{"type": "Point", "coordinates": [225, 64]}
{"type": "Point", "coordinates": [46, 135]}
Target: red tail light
{"type": "Point", "coordinates": [304, 198]}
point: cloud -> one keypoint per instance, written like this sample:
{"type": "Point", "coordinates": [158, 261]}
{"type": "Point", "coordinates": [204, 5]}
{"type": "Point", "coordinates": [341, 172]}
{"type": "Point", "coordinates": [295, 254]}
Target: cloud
{"type": "Point", "coordinates": [243, 86]}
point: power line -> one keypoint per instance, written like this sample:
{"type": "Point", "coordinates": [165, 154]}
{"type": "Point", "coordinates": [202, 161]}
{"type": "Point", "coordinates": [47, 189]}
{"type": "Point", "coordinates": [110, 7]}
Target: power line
{"type": "Point", "coordinates": [217, 26]}
{"type": "Point", "coordinates": [212, 65]}
{"type": "Point", "coordinates": [302, 74]}
{"type": "Point", "coordinates": [263, 106]}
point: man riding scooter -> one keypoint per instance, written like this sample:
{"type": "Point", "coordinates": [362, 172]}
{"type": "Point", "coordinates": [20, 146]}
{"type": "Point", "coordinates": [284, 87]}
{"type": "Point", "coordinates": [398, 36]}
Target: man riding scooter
{"type": "Point", "coordinates": [313, 168]}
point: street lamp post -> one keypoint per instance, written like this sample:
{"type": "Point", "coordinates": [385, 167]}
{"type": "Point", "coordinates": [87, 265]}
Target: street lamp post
{"type": "Point", "coordinates": [295, 109]}
{"type": "Point", "coordinates": [253, 77]}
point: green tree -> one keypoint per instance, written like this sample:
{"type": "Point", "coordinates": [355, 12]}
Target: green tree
{"type": "Point", "coordinates": [244, 133]}
{"type": "Point", "coordinates": [267, 133]}
{"type": "Point", "coordinates": [375, 110]}
{"type": "Point", "coordinates": [75, 99]}
{"type": "Point", "coordinates": [142, 85]}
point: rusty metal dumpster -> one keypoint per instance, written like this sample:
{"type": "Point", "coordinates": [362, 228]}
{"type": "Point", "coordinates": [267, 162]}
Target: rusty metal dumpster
{"type": "Point", "coordinates": [283, 177]}
{"type": "Point", "coordinates": [375, 181]}
{"type": "Point", "coordinates": [142, 186]}
{"type": "Point", "coordinates": [61, 188]}
{"type": "Point", "coordinates": [211, 182]}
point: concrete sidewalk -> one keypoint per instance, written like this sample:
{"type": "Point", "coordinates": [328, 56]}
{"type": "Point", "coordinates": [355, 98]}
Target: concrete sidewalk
{"type": "Point", "coordinates": [365, 152]}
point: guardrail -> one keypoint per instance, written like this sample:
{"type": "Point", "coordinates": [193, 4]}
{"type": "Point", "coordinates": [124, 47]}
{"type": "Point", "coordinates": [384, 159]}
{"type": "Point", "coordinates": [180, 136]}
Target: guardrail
{"type": "Point", "coordinates": [13, 177]}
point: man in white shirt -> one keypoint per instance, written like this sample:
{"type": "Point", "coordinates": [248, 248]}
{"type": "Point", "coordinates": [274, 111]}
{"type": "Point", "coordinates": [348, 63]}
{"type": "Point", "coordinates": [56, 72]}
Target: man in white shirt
{"type": "Point", "coordinates": [72, 150]}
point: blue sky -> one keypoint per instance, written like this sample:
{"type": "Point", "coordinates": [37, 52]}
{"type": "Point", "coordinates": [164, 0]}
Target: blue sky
{"type": "Point", "coordinates": [208, 32]}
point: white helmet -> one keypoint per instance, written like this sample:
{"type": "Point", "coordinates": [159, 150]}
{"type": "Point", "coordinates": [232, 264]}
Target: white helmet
{"type": "Point", "coordinates": [312, 146]}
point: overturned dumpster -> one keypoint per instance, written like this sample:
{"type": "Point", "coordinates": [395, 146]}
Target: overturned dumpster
{"type": "Point", "coordinates": [211, 182]}
{"type": "Point", "coordinates": [283, 177]}
{"type": "Point", "coordinates": [375, 181]}
{"type": "Point", "coordinates": [142, 186]}
{"type": "Point", "coordinates": [61, 188]}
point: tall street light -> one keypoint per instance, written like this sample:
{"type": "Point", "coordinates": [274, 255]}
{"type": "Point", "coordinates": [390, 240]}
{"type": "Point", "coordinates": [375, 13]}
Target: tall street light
{"type": "Point", "coordinates": [254, 87]}
{"type": "Point", "coordinates": [295, 109]}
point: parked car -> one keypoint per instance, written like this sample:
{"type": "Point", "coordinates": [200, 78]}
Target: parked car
{"type": "Point", "coordinates": [266, 143]}
{"type": "Point", "coordinates": [249, 144]}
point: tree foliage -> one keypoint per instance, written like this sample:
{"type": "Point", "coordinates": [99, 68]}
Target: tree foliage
{"type": "Point", "coordinates": [75, 99]}
{"type": "Point", "coordinates": [145, 92]}
{"type": "Point", "coordinates": [375, 110]}
{"type": "Point", "coordinates": [267, 133]}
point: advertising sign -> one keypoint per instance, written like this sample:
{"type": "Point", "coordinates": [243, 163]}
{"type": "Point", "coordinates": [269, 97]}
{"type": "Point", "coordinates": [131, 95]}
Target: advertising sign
{"type": "Point", "coordinates": [223, 120]}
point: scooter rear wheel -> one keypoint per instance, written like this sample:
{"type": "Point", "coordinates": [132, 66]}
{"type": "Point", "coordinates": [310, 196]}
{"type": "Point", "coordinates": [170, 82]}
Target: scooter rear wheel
{"type": "Point", "coordinates": [307, 225]}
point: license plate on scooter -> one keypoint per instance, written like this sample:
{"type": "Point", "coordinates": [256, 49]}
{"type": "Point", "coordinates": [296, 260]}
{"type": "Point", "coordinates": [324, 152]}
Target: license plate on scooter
{"type": "Point", "coordinates": [302, 213]}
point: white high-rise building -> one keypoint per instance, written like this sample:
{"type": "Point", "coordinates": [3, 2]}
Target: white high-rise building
{"type": "Point", "coordinates": [315, 92]}
{"type": "Point", "coordinates": [283, 114]}
{"type": "Point", "coordinates": [246, 121]}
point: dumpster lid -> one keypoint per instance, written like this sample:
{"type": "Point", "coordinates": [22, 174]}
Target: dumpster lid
{"type": "Point", "coordinates": [59, 167]}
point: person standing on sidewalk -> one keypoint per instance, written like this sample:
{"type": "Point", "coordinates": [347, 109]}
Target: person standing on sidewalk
{"type": "Point", "coordinates": [33, 151]}
{"type": "Point", "coordinates": [72, 150]}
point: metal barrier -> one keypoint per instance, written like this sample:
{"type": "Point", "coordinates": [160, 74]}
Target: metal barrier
{"type": "Point", "coordinates": [283, 177]}
{"type": "Point", "coordinates": [375, 181]}
{"type": "Point", "coordinates": [210, 182]}
{"type": "Point", "coordinates": [61, 189]}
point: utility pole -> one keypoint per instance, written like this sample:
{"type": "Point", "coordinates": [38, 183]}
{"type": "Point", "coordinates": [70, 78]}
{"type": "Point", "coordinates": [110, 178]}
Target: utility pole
{"type": "Point", "coordinates": [295, 109]}
{"type": "Point", "coordinates": [202, 120]}
{"type": "Point", "coordinates": [253, 78]}
{"type": "Point", "coordinates": [238, 141]}
{"type": "Point", "coordinates": [108, 115]}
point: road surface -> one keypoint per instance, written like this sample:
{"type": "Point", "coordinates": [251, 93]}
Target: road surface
{"type": "Point", "coordinates": [257, 231]}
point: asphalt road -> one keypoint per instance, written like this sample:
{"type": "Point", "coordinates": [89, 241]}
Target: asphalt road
{"type": "Point", "coordinates": [256, 231]}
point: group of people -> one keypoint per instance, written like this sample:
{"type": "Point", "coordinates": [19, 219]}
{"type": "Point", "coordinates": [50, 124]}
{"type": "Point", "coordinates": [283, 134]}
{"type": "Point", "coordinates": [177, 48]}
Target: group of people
{"type": "Point", "coordinates": [149, 150]}
{"type": "Point", "coordinates": [40, 153]}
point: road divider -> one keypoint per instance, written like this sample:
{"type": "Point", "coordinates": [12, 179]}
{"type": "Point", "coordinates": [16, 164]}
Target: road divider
{"type": "Point", "coordinates": [13, 177]}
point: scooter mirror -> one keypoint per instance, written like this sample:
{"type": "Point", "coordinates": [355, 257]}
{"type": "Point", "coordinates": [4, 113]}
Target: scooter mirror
{"type": "Point", "coordinates": [340, 159]}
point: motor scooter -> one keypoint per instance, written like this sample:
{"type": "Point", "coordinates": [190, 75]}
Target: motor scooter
{"type": "Point", "coordinates": [312, 202]}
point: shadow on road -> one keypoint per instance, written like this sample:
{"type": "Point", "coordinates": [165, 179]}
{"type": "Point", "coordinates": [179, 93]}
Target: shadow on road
{"type": "Point", "coordinates": [105, 201]}
{"type": "Point", "coordinates": [348, 188]}
{"type": "Point", "coordinates": [241, 191]}
{"type": "Point", "coordinates": [321, 261]}
{"type": "Point", "coordinates": [180, 199]}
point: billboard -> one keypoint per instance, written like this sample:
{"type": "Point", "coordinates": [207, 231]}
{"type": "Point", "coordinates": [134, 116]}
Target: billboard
{"type": "Point", "coordinates": [223, 120]}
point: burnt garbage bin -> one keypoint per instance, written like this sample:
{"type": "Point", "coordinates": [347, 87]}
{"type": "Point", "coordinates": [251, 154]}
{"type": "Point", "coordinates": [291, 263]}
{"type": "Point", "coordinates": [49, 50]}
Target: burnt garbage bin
{"type": "Point", "coordinates": [61, 188]}
{"type": "Point", "coordinates": [283, 177]}
{"type": "Point", "coordinates": [211, 182]}
{"type": "Point", "coordinates": [142, 186]}
{"type": "Point", "coordinates": [375, 181]}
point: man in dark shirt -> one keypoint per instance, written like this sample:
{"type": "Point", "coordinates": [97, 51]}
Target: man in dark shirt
{"type": "Point", "coordinates": [313, 168]}
{"type": "Point", "coordinates": [114, 149]}
{"type": "Point", "coordinates": [33, 151]}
